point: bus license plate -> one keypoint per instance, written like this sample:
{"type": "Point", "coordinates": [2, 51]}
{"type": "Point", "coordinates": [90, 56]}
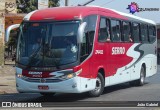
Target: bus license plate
{"type": "Point", "coordinates": [43, 87]}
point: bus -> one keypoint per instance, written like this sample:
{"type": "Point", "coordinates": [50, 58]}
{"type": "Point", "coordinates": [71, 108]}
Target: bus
{"type": "Point", "coordinates": [83, 49]}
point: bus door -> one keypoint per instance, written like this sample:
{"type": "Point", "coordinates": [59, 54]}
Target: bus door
{"type": "Point", "coordinates": [101, 51]}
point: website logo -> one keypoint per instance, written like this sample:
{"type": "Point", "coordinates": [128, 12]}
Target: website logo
{"type": "Point", "coordinates": [133, 7]}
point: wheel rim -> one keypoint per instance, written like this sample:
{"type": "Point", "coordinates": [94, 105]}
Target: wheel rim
{"type": "Point", "coordinates": [98, 85]}
{"type": "Point", "coordinates": [142, 76]}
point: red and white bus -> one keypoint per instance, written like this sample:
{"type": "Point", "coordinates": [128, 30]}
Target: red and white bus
{"type": "Point", "coordinates": [83, 49]}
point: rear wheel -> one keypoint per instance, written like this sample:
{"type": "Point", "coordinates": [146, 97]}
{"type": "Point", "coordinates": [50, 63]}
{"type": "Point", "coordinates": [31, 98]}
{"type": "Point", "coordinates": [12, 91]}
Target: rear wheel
{"type": "Point", "coordinates": [47, 94]}
{"type": "Point", "coordinates": [99, 86]}
{"type": "Point", "coordinates": [141, 80]}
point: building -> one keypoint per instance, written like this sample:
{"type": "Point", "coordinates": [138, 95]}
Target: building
{"type": "Point", "coordinates": [6, 7]}
{"type": "Point", "coordinates": [158, 39]}
{"type": "Point", "coordinates": [11, 19]}
{"type": "Point", "coordinates": [158, 30]}
{"type": "Point", "coordinates": [2, 19]}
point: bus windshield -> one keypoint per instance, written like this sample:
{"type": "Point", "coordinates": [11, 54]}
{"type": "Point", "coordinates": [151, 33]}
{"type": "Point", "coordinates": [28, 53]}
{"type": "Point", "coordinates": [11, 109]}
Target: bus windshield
{"type": "Point", "coordinates": [47, 44]}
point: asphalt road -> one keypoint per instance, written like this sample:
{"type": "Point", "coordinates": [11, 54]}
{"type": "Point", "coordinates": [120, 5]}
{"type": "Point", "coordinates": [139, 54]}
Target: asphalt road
{"type": "Point", "coordinates": [122, 93]}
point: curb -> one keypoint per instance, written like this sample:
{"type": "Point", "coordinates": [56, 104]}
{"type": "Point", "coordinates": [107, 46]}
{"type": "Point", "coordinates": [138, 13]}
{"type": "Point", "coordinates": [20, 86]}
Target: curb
{"type": "Point", "coordinates": [3, 92]}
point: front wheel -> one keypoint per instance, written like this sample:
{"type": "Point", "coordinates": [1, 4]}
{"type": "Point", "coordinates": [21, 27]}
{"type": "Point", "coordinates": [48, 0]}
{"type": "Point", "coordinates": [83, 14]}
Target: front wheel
{"type": "Point", "coordinates": [99, 86]}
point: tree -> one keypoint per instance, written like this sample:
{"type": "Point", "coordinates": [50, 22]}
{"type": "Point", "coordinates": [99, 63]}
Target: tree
{"type": "Point", "coordinates": [26, 6]}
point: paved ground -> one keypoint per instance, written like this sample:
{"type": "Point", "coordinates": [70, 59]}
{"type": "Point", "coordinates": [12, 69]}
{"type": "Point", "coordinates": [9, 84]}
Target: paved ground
{"type": "Point", "coordinates": [7, 79]}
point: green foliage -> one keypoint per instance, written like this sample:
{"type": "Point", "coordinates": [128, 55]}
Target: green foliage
{"type": "Point", "coordinates": [26, 6]}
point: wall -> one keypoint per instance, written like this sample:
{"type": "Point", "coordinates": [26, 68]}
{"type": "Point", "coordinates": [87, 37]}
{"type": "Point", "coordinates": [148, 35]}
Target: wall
{"type": "Point", "coordinates": [6, 7]}
{"type": "Point", "coordinates": [2, 19]}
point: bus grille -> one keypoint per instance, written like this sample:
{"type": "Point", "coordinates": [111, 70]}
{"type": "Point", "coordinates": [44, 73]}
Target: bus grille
{"type": "Point", "coordinates": [39, 80]}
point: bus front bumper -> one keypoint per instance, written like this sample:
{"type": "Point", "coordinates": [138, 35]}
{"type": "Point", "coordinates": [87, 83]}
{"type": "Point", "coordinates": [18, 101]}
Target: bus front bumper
{"type": "Point", "coordinates": [73, 85]}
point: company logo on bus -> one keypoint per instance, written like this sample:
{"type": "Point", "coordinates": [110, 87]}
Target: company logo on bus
{"type": "Point", "coordinates": [42, 80]}
{"type": "Point", "coordinates": [118, 50]}
{"type": "Point", "coordinates": [32, 72]}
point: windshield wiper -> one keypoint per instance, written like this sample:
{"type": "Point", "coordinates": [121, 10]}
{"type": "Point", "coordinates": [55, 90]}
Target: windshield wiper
{"type": "Point", "coordinates": [56, 64]}
{"type": "Point", "coordinates": [32, 57]}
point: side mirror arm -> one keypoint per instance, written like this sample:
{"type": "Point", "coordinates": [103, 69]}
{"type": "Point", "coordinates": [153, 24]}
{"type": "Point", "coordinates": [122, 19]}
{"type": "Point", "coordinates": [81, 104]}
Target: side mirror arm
{"type": "Point", "coordinates": [8, 31]}
{"type": "Point", "coordinates": [81, 32]}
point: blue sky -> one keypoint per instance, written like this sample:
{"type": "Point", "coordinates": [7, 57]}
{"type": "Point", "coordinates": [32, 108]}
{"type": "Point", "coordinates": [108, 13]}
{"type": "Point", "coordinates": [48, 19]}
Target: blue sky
{"type": "Point", "coordinates": [121, 5]}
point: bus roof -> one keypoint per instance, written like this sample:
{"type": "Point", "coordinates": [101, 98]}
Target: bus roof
{"type": "Point", "coordinates": [127, 15]}
{"type": "Point", "coordinates": [74, 12]}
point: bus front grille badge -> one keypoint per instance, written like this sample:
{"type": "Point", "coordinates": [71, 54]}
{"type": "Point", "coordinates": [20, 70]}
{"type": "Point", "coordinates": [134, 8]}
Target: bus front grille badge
{"type": "Point", "coordinates": [42, 80]}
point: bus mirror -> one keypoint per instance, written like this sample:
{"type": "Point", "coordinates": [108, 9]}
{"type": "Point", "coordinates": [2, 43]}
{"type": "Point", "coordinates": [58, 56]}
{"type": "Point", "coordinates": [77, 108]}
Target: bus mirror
{"type": "Point", "coordinates": [81, 32]}
{"type": "Point", "coordinates": [8, 31]}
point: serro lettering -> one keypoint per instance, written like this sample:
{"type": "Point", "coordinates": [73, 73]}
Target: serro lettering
{"type": "Point", "coordinates": [118, 50]}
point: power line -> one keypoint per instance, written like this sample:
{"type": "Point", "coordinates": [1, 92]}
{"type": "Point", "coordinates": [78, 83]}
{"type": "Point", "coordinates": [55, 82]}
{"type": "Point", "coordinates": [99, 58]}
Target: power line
{"type": "Point", "coordinates": [93, 1]}
{"type": "Point", "coordinates": [84, 4]}
{"type": "Point", "coordinates": [107, 3]}
{"type": "Point", "coordinates": [74, 3]}
{"type": "Point", "coordinates": [88, 2]}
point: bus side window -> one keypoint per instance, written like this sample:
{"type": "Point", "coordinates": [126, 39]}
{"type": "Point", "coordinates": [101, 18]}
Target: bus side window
{"type": "Point", "coordinates": [115, 29]}
{"type": "Point", "coordinates": [104, 34]}
{"type": "Point", "coordinates": [135, 32]}
{"type": "Point", "coordinates": [152, 33]}
{"type": "Point", "coordinates": [126, 32]}
{"type": "Point", "coordinates": [144, 34]}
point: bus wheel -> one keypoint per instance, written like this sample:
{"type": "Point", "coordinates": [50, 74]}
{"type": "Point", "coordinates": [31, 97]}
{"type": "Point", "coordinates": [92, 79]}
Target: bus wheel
{"type": "Point", "coordinates": [99, 86]}
{"type": "Point", "coordinates": [141, 81]}
{"type": "Point", "coordinates": [47, 94]}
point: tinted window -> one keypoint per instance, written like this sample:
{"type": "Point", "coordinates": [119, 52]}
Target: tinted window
{"type": "Point", "coordinates": [87, 45]}
{"type": "Point", "coordinates": [126, 32]}
{"type": "Point", "coordinates": [104, 30]}
{"type": "Point", "coordinates": [115, 28]}
{"type": "Point", "coordinates": [152, 33]}
{"type": "Point", "coordinates": [41, 44]}
{"type": "Point", "coordinates": [135, 32]}
{"type": "Point", "coordinates": [144, 34]}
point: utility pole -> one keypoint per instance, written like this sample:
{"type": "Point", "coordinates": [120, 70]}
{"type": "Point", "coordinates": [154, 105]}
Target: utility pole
{"type": "Point", "coordinates": [66, 2]}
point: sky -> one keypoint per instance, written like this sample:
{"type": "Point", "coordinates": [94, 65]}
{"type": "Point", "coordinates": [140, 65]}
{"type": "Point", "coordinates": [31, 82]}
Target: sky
{"type": "Point", "coordinates": [121, 5]}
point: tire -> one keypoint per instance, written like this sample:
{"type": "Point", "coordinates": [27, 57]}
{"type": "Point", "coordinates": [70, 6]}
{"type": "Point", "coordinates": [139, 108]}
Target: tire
{"type": "Point", "coordinates": [47, 94]}
{"type": "Point", "coordinates": [141, 80]}
{"type": "Point", "coordinates": [99, 86]}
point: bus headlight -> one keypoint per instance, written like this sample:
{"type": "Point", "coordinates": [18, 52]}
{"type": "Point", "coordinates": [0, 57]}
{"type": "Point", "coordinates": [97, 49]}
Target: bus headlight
{"type": "Point", "coordinates": [19, 75]}
{"type": "Point", "coordinates": [70, 75]}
